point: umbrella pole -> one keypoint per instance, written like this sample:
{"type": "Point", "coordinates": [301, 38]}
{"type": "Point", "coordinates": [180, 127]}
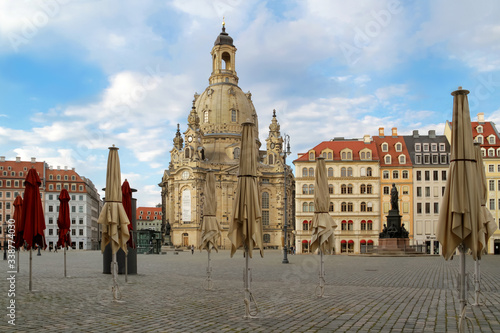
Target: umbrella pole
{"type": "Point", "coordinates": [114, 270]}
{"type": "Point", "coordinates": [65, 261]}
{"type": "Point", "coordinates": [31, 260]}
{"type": "Point", "coordinates": [463, 300]}
{"type": "Point", "coordinates": [320, 289]}
{"type": "Point", "coordinates": [248, 294]}
{"type": "Point", "coordinates": [477, 279]}
{"type": "Point", "coordinates": [126, 266]}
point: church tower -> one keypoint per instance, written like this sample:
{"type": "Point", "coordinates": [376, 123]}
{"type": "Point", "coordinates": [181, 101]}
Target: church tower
{"type": "Point", "coordinates": [211, 142]}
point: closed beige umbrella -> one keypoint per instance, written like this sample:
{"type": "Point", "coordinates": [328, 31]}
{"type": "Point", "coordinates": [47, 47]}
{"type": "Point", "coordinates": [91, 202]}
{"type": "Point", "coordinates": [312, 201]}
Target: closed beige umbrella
{"type": "Point", "coordinates": [210, 228]}
{"type": "Point", "coordinates": [322, 223]}
{"type": "Point", "coordinates": [245, 228]}
{"type": "Point", "coordinates": [113, 218]}
{"type": "Point", "coordinates": [461, 205]}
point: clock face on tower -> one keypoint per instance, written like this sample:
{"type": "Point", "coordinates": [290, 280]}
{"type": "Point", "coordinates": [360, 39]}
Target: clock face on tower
{"type": "Point", "coordinates": [190, 138]}
{"type": "Point", "coordinates": [272, 145]}
{"type": "Point", "coordinates": [185, 175]}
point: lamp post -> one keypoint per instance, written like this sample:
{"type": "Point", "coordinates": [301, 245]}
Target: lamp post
{"type": "Point", "coordinates": [286, 152]}
{"type": "Point", "coordinates": [4, 228]}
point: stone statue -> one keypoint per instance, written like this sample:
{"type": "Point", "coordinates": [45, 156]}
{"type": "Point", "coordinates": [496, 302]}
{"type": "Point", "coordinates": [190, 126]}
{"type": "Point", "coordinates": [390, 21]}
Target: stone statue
{"type": "Point", "coordinates": [394, 198]}
{"type": "Point", "coordinates": [167, 229]}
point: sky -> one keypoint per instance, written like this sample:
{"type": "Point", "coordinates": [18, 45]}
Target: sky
{"type": "Point", "coordinates": [79, 76]}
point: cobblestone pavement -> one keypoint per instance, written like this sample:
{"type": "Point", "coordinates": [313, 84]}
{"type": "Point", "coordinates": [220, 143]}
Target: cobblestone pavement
{"type": "Point", "coordinates": [362, 294]}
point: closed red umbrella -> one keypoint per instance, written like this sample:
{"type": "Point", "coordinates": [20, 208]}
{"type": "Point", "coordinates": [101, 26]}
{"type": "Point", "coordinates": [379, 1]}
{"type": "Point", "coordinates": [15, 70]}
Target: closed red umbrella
{"type": "Point", "coordinates": [32, 225]}
{"type": "Point", "coordinates": [63, 221]}
{"type": "Point", "coordinates": [18, 214]}
{"type": "Point", "coordinates": [127, 205]}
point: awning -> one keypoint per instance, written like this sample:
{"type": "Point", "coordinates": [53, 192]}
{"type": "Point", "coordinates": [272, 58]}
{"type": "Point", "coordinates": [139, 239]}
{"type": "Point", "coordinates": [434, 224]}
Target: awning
{"type": "Point", "coordinates": [362, 242]}
{"type": "Point", "coordinates": [342, 242]}
{"type": "Point", "coordinates": [370, 241]}
{"type": "Point", "coordinates": [350, 221]}
{"type": "Point", "coordinates": [369, 221]}
{"type": "Point", "coordinates": [304, 242]}
{"type": "Point", "coordinates": [350, 241]}
{"type": "Point", "coordinates": [363, 221]}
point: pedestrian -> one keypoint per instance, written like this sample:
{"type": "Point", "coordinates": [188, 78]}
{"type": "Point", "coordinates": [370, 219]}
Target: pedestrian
{"type": "Point", "coordinates": [192, 249]}
{"type": "Point", "coordinates": [55, 249]}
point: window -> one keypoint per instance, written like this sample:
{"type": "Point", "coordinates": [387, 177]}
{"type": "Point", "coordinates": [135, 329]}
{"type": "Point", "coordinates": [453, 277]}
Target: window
{"type": "Point", "coordinates": [51, 231]}
{"type": "Point", "coordinates": [363, 207]}
{"type": "Point", "coordinates": [386, 190]}
{"type": "Point", "coordinates": [311, 207]}
{"type": "Point", "coordinates": [435, 159]}
{"type": "Point", "coordinates": [344, 225]}
{"type": "Point", "coordinates": [427, 175]}
{"type": "Point", "coordinates": [492, 204]}
{"type": "Point", "coordinates": [349, 189]}
{"type": "Point", "coordinates": [427, 159]}
{"type": "Point", "coordinates": [362, 172]}
{"type": "Point", "coordinates": [73, 177]}
{"type": "Point", "coordinates": [443, 175]}
{"type": "Point", "coordinates": [350, 225]}
{"type": "Point", "coordinates": [80, 221]}
{"type": "Point", "coordinates": [405, 174]}
{"type": "Point", "coordinates": [363, 225]}
{"type": "Point", "coordinates": [434, 147]}
{"type": "Point", "coordinates": [491, 168]}
{"type": "Point", "coordinates": [418, 159]}
{"type": "Point", "coordinates": [492, 185]}
{"type": "Point", "coordinates": [479, 139]}
{"type": "Point", "coordinates": [331, 207]}
{"type": "Point", "coordinates": [369, 189]}
{"type": "Point", "coordinates": [369, 226]}
{"type": "Point", "coordinates": [205, 117]}
{"type": "Point", "coordinates": [418, 147]}
{"type": "Point", "coordinates": [362, 189]}
{"type": "Point", "coordinates": [385, 174]}
{"type": "Point", "coordinates": [399, 147]}
{"type": "Point", "coordinates": [343, 189]}
{"type": "Point", "coordinates": [419, 191]}
{"type": "Point", "coordinates": [73, 209]}
{"type": "Point", "coordinates": [65, 177]}
{"type": "Point", "coordinates": [265, 200]}
{"type": "Point", "coordinates": [311, 157]}
{"type": "Point", "coordinates": [330, 172]}
{"type": "Point", "coordinates": [51, 208]}
{"type": "Point", "coordinates": [491, 139]}
{"type": "Point", "coordinates": [402, 159]}
{"type": "Point", "coordinates": [305, 189]}
{"type": "Point", "coordinates": [73, 232]}
{"type": "Point", "coordinates": [349, 207]}
{"type": "Point", "coordinates": [58, 177]}
{"type": "Point", "coordinates": [385, 147]}
{"type": "Point", "coordinates": [343, 208]}
{"type": "Point", "coordinates": [435, 175]}
{"type": "Point", "coordinates": [80, 232]}
{"type": "Point", "coordinates": [406, 189]}
{"type": "Point", "coordinates": [80, 209]}
{"type": "Point", "coordinates": [427, 191]}
{"type": "Point", "coordinates": [479, 129]}
{"type": "Point", "coordinates": [305, 225]}
{"type": "Point", "coordinates": [305, 207]}
{"type": "Point", "coordinates": [349, 172]}
{"type": "Point", "coordinates": [330, 156]}
{"type": "Point", "coordinates": [369, 172]}
{"type": "Point", "coordinates": [233, 116]}
{"type": "Point", "coordinates": [311, 189]}
{"type": "Point", "coordinates": [304, 172]}
{"type": "Point", "coordinates": [395, 174]}
{"type": "Point", "coordinates": [387, 159]}
{"type": "Point", "coordinates": [369, 207]}
{"type": "Point", "coordinates": [436, 208]}
{"type": "Point", "coordinates": [80, 188]}
{"type": "Point", "coordinates": [426, 147]}
{"type": "Point", "coordinates": [427, 208]}
{"type": "Point", "coordinates": [442, 147]}
{"type": "Point", "coordinates": [73, 221]}
{"type": "Point", "coordinates": [330, 188]}
{"type": "Point", "coordinates": [265, 217]}
{"type": "Point", "coordinates": [491, 152]}
{"type": "Point", "coordinates": [311, 172]}
{"type": "Point", "coordinates": [406, 207]}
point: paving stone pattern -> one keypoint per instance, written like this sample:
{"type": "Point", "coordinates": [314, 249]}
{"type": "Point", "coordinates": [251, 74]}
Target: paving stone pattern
{"type": "Point", "coordinates": [362, 294]}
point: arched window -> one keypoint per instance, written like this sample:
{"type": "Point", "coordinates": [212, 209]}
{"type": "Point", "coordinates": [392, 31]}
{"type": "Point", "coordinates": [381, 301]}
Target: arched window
{"type": "Point", "coordinates": [350, 246]}
{"type": "Point", "coordinates": [205, 117]}
{"type": "Point", "coordinates": [368, 155]}
{"type": "Point", "coordinates": [350, 225]}
{"type": "Point", "coordinates": [369, 189]}
{"type": "Point", "coordinates": [343, 189]}
{"type": "Point", "coordinates": [363, 207]}
{"type": "Point", "coordinates": [267, 238]}
{"type": "Point", "coordinates": [330, 156]}
{"type": "Point", "coordinates": [344, 225]}
{"type": "Point", "coordinates": [349, 189]}
{"type": "Point", "coordinates": [331, 207]}
{"type": "Point", "coordinates": [234, 117]}
{"type": "Point", "coordinates": [369, 207]}
{"type": "Point", "coordinates": [369, 225]}
{"type": "Point", "coordinates": [311, 189]}
{"type": "Point", "coordinates": [236, 153]}
{"type": "Point", "coordinates": [349, 172]}
{"type": "Point", "coordinates": [387, 159]}
{"type": "Point", "coordinates": [363, 225]}
{"type": "Point", "coordinates": [330, 172]}
{"type": "Point", "coordinates": [369, 172]}
{"type": "Point", "coordinates": [311, 207]}
{"type": "Point", "coordinates": [271, 159]}
{"type": "Point", "coordinates": [305, 189]}
{"type": "Point", "coordinates": [385, 147]}
{"type": "Point", "coordinates": [362, 172]}
{"type": "Point", "coordinates": [265, 200]}
{"type": "Point", "coordinates": [343, 207]}
{"type": "Point", "coordinates": [187, 153]}
{"type": "Point", "coordinates": [311, 156]}
{"type": "Point", "coordinates": [362, 189]}
{"type": "Point", "coordinates": [304, 172]}
{"type": "Point", "coordinates": [349, 207]}
{"type": "Point", "coordinates": [362, 155]}
{"type": "Point", "coordinates": [311, 172]}
{"type": "Point", "coordinates": [343, 246]}
{"type": "Point", "coordinates": [402, 159]}
{"type": "Point", "coordinates": [343, 172]}
{"type": "Point", "coordinates": [399, 147]}
{"type": "Point", "coordinates": [330, 188]}
{"type": "Point", "coordinates": [305, 225]}
{"type": "Point", "coordinates": [305, 207]}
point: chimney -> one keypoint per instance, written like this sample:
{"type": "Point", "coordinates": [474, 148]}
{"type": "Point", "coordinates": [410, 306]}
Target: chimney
{"type": "Point", "coordinates": [480, 117]}
{"type": "Point", "coordinates": [415, 134]}
{"type": "Point", "coordinates": [33, 159]}
{"type": "Point", "coordinates": [51, 167]}
{"type": "Point", "coordinates": [432, 134]}
{"type": "Point", "coordinates": [380, 131]}
{"type": "Point", "coordinates": [394, 131]}
{"type": "Point", "coordinates": [366, 138]}
{"type": "Point", "coordinates": [58, 167]}
{"type": "Point", "coordinates": [18, 158]}
{"type": "Point", "coordinates": [73, 169]}
{"type": "Point", "coordinates": [65, 167]}
{"type": "Point", "coordinates": [2, 158]}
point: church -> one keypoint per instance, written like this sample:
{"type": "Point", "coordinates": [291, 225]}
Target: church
{"type": "Point", "coordinates": [211, 142]}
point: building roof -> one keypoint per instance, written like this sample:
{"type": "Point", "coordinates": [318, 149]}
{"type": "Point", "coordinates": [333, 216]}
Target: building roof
{"type": "Point", "coordinates": [337, 146]}
{"type": "Point", "coordinates": [17, 170]}
{"type": "Point", "coordinates": [154, 213]}
{"type": "Point", "coordinates": [391, 141]}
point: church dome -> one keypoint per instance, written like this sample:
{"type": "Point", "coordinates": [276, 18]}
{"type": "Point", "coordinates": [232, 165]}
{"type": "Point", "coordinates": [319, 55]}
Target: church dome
{"type": "Point", "coordinates": [224, 38]}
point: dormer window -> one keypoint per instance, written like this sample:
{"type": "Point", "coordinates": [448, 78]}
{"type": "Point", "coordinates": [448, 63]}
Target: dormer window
{"type": "Point", "coordinates": [491, 139]}
{"type": "Point", "coordinates": [346, 155]}
{"type": "Point", "coordinates": [399, 147]}
{"type": "Point", "coordinates": [442, 147]}
{"type": "Point", "coordinates": [479, 139]}
{"type": "Point", "coordinates": [385, 147]}
{"type": "Point", "coordinates": [418, 147]}
{"type": "Point", "coordinates": [479, 129]}
{"type": "Point", "coordinates": [311, 156]}
{"type": "Point", "coordinates": [330, 156]}
{"type": "Point", "coordinates": [491, 152]}
{"type": "Point", "coordinates": [426, 147]}
{"type": "Point", "coordinates": [434, 147]}
{"type": "Point", "coordinates": [387, 159]}
{"type": "Point", "coordinates": [402, 159]}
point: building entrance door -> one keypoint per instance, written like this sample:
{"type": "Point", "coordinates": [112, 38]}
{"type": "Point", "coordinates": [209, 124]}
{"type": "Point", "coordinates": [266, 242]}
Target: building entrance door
{"type": "Point", "coordinates": [185, 239]}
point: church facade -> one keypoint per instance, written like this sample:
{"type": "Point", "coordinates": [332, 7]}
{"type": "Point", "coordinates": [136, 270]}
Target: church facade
{"type": "Point", "coordinates": [211, 142]}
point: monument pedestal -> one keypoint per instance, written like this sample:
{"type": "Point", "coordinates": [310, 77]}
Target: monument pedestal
{"type": "Point", "coordinates": [397, 244]}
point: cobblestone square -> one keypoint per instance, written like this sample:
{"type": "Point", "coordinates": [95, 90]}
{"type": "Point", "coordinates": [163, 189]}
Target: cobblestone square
{"type": "Point", "coordinates": [362, 294]}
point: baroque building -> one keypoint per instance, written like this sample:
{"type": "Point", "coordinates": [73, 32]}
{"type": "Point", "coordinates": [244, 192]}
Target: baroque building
{"type": "Point", "coordinates": [211, 142]}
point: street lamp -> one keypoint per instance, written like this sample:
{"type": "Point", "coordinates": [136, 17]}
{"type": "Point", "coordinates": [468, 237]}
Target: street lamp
{"type": "Point", "coordinates": [285, 153]}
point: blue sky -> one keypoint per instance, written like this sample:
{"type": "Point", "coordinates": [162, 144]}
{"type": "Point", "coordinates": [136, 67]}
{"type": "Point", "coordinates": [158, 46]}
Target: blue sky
{"type": "Point", "coordinates": [79, 76]}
